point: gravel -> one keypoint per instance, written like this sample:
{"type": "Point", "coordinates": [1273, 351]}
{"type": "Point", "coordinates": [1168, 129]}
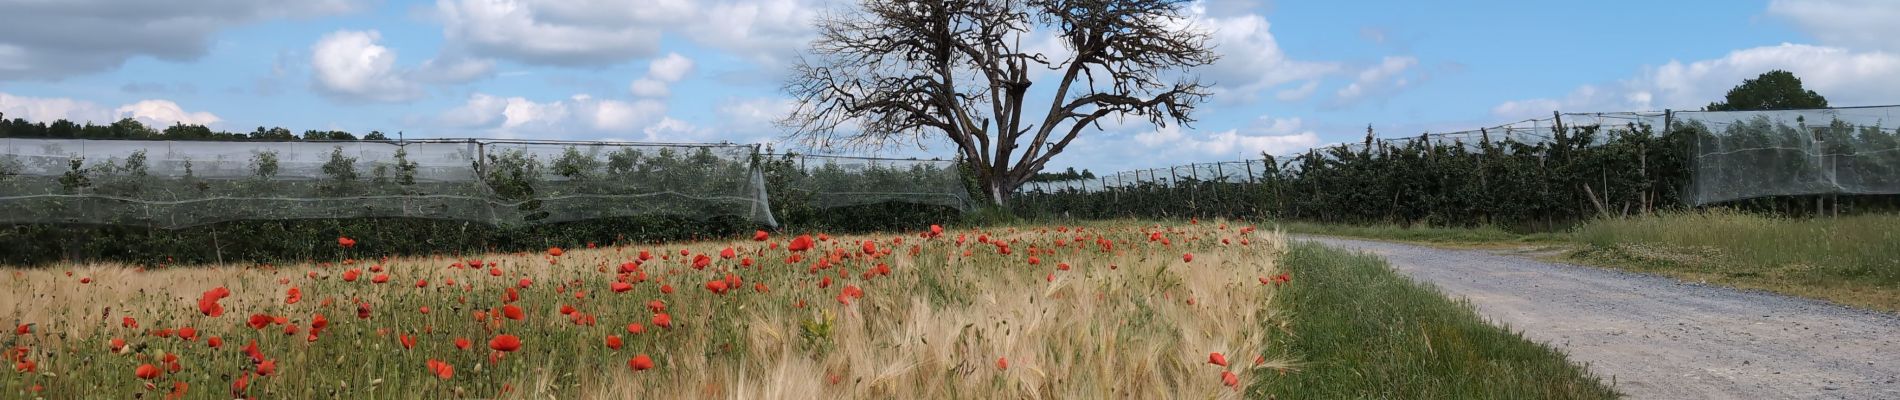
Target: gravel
{"type": "Point", "coordinates": [1654, 337]}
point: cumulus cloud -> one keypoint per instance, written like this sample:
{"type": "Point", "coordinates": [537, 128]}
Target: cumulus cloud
{"type": "Point", "coordinates": [579, 116]}
{"type": "Point", "coordinates": [1268, 135]}
{"type": "Point", "coordinates": [58, 39]}
{"type": "Point", "coordinates": [1846, 77]}
{"type": "Point", "coordinates": [152, 112]}
{"type": "Point", "coordinates": [607, 32]}
{"type": "Point", "coordinates": [1864, 24]}
{"type": "Point", "coordinates": [660, 74]}
{"type": "Point", "coordinates": [350, 64]}
{"type": "Point", "coordinates": [1384, 78]}
{"type": "Point", "coordinates": [353, 65]}
{"type": "Point", "coordinates": [1251, 58]}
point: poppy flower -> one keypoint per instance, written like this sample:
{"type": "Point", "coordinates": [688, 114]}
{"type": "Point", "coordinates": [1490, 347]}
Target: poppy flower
{"type": "Point", "coordinates": [525, 283]}
{"type": "Point", "coordinates": [870, 247]}
{"type": "Point", "coordinates": [214, 342]}
{"type": "Point", "coordinates": [701, 261]}
{"type": "Point", "coordinates": [1188, 257]}
{"type": "Point", "coordinates": [505, 343]}
{"type": "Point", "coordinates": [345, 242]}
{"type": "Point", "coordinates": [513, 312]}
{"type": "Point", "coordinates": [640, 363]}
{"type": "Point", "coordinates": [380, 278]}
{"type": "Point", "coordinates": [117, 344]}
{"type": "Point", "coordinates": [188, 333]}
{"type": "Point", "coordinates": [556, 251]}
{"type": "Point", "coordinates": [716, 286]}
{"type": "Point", "coordinates": [267, 367]}
{"type": "Point", "coordinates": [662, 320]}
{"type": "Point", "coordinates": [800, 243]}
{"type": "Point", "coordinates": [936, 230]}
{"type": "Point", "coordinates": [422, 283]}
{"type": "Point", "coordinates": [441, 369]}
{"type": "Point", "coordinates": [620, 287]}
{"type": "Point", "coordinates": [666, 289]}
{"type": "Point", "coordinates": [408, 342]}
{"type": "Point", "coordinates": [636, 328]}
{"type": "Point", "coordinates": [362, 310]}
{"type": "Point", "coordinates": [1002, 363]}
{"type": "Point", "coordinates": [760, 236]}
{"type": "Point", "coordinates": [613, 342]}
{"type": "Point", "coordinates": [146, 371]}
{"type": "Point", "coordinates": [728, 253]}
{"type": "Point", "coordinates": [1217, 358]}
{"type": "Point", "coordinates": [1228, 378]}
{"type": "Point", "coordinates": [85, 280]}
{"type": "Point", "coordinates": [351, 274]}
{"type": "Point", "coordinates": [462, 343]}
{"type": "Point", "coordinates": [293, 296]}
{"type": "Point", "coordinates": [259, 321]}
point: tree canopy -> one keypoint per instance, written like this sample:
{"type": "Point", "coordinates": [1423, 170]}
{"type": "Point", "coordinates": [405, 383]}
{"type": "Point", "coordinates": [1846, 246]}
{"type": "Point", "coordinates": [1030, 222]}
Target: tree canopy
{"type": "Point", "coordinates": [1774, 90]}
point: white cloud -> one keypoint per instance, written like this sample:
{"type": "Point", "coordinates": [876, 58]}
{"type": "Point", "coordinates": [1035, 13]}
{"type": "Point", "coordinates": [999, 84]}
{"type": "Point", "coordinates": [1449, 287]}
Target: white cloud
{"type": "Point", "coordinates": [164, 113]}
{"type": "Point", "coordinates": [647, 87]}
{"type": "Point", "coordinates": [1385, 78]}
{"type": "Point", "coordinates": [579, 116]}
{"type": "Point", "coordinates": [1299, 93]}
{"type": "Point", "coordinates": [765, 31]}
{"type": "Point", "coordinates": [1845, 77]}
{"type": "Point", "coordinates": [154, 112]}
{"type": "Point", "coordinates": [555, 32]}
{"type": "Point", "coordinates": [1251, 58]}
{"type": "Point", "coordinates": [661, 73]}
{"type": "Point", "coordinates": [1864, 24]}
{"type": "Point", "coordinates": [1230, 143]}
{"type": "Point", "coordinates": [454, 69]}
{"type": "Point", "coordinates": [350, 64]}
{"type": "Point", "coordinates": [58, 39]}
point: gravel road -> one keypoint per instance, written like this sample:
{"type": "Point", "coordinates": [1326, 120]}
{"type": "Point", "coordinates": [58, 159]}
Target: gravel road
{"type": "Point", "coordinates": [1658, 338]}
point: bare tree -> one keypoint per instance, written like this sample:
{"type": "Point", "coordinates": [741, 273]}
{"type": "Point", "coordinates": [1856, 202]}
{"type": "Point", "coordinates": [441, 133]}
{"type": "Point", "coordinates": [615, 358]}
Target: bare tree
{"type": "Point", "coordinates": [895, 71]}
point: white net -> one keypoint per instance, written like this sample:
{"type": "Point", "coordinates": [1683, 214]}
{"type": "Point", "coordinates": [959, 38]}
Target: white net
{"type": "Point", "coordinates": [840, 181]}
{"type": "Point", "coordinates": [1750, 154]}
{"type": "Point", "coordinates": [174, 184]}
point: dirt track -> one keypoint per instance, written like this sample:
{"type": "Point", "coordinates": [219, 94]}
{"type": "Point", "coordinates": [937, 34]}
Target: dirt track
{"type": "Point", "coordinates": [1659, 338]}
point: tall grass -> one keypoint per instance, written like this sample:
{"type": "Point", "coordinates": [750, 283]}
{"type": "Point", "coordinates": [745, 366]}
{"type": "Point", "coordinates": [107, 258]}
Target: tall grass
{"type": "Point", "coordinates": [1363, 331]}
{"type": "Point", "coordinates": [1852, 260]}
{"type": "Point", "coordinates": [1417, 233]}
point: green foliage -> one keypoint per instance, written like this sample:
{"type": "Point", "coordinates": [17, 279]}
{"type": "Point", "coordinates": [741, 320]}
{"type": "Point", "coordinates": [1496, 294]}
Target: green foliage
{"type": "Point", "coordinates": [1774, 90]}
{"type": "Point", "coordinates": [1371, 333]}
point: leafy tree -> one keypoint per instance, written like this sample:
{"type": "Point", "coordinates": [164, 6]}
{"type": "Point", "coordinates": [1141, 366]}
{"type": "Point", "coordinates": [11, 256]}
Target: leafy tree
{"type": "Point", "coordinates": [1774, 90]}
{"type": "Point", "coordinates": [376, 135]}
{"type": "Point", "coordinates": [905, 71]}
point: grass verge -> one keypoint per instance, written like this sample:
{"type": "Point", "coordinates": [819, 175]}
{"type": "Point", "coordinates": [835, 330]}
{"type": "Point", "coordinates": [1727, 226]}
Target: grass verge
{"type": "Point", "coordinates": [1852, 260]}
{"type": "Point", "coordinates": [1364, 331]}
{"type": "Point", "coordinates": [1463, 237]}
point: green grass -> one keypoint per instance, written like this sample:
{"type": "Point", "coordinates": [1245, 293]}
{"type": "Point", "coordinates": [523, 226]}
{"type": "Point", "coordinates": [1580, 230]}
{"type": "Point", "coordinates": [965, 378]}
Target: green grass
{"type": "Point", "coordinates": [1853, 260]}
{"type": "Point", "coordinates": [1481, 236]}
{"type": "Point", "coordinates": [1363, 331]}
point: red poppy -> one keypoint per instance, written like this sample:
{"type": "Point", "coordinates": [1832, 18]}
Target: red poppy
{"type": "Point", "coordinates": [613, 342]}
{"type": "Point", "coordinates": [267, 367]}
{"type": "Point", "coordinates": [462, 343]}
{"type": "Point", "coordinates": [408, 342]}
{"type": "Point", "coordinates": [556, 251]}
{"type": "Point", "coordinates": [293, 296]}
{"type": "Point", "coordinates": [117, 344]}
{"type": "Point", "coordinates": [666, 289]}
{"type": "Point", "coordinates": [870, 247]}
{"type": "Point", "coordinates": [214, 342]}
{"type": "Point", "coordinates": [656, 305]}
{"type": "Point", "coordinates": [1188, 257]}
{"type": "Point", "coordinates": [1217, 358]}
{"type": "Point", "coordinates": [1228, 378]}
{"type": "Point", "coordinates": [717, 286]}
{"type": "Point", "coordinates": [259, 321]}
{"type": "Point", "coordinates": [640, 363]}
{"type": "Point", "coordinates": [1002, 363]}
{"type": "Point", "coordinates": [620, 287]}
{"type": "Point", "coordinates": [513, 312]}
{"type": "Point", "coordinates": [441, 369]}
{"type": "Point", "coordinates": [636, 328]}
{"type": "Point", "coordinates": [800, 243]}
{"type": "Point", "coordinates": [362, 310]}
{"type": "Point", "coordinates": [188, 333]}
{"type": "Point", "coordinates": [505, 343]}
{"type": "Point", "coordinates": [422, 283]}
{"type": "Point", "coordinates": [345, 242]}
{"type": "Point", "coordinates": [728, 253]}
{"type": "Point", "coordinates": [351, 274]}
{"type": "Point", "coordinates": [760, 236]}
{"type": "Point", "coordinates": [662, 320]}
{"type": "Point", "coordinates": [509, 295]}
{"type": "Point", "coordinates": [146, 371]}
{"type": "Point", "coordinates": [380, 278]}
{"type": "Point", "coordinates": [701, 261]}
{"type": "Point", "coordinates": [936, 230]}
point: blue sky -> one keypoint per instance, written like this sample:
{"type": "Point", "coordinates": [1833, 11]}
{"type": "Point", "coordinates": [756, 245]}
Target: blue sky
{"type": "Point", "coordinates": [1293, 74]}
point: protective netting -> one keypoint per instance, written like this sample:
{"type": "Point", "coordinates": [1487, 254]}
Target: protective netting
{"type": "Point", "coordinates": [1749, 154]}
{"type": "Point", "coordinates": [840, 181]}
{"type": "Point", "coordinates": [173, 184]}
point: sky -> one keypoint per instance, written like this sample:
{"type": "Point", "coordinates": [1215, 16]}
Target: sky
{"type": "Point", "coordinates": [1292, 74]}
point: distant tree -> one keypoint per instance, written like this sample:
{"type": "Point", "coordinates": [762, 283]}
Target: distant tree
{"type": "Point", "coordinates": [897, 71]}
{"type": "Point", "coordinates": [376, 135]}
{"type": "Point", "coordinates": [1775, 90]}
